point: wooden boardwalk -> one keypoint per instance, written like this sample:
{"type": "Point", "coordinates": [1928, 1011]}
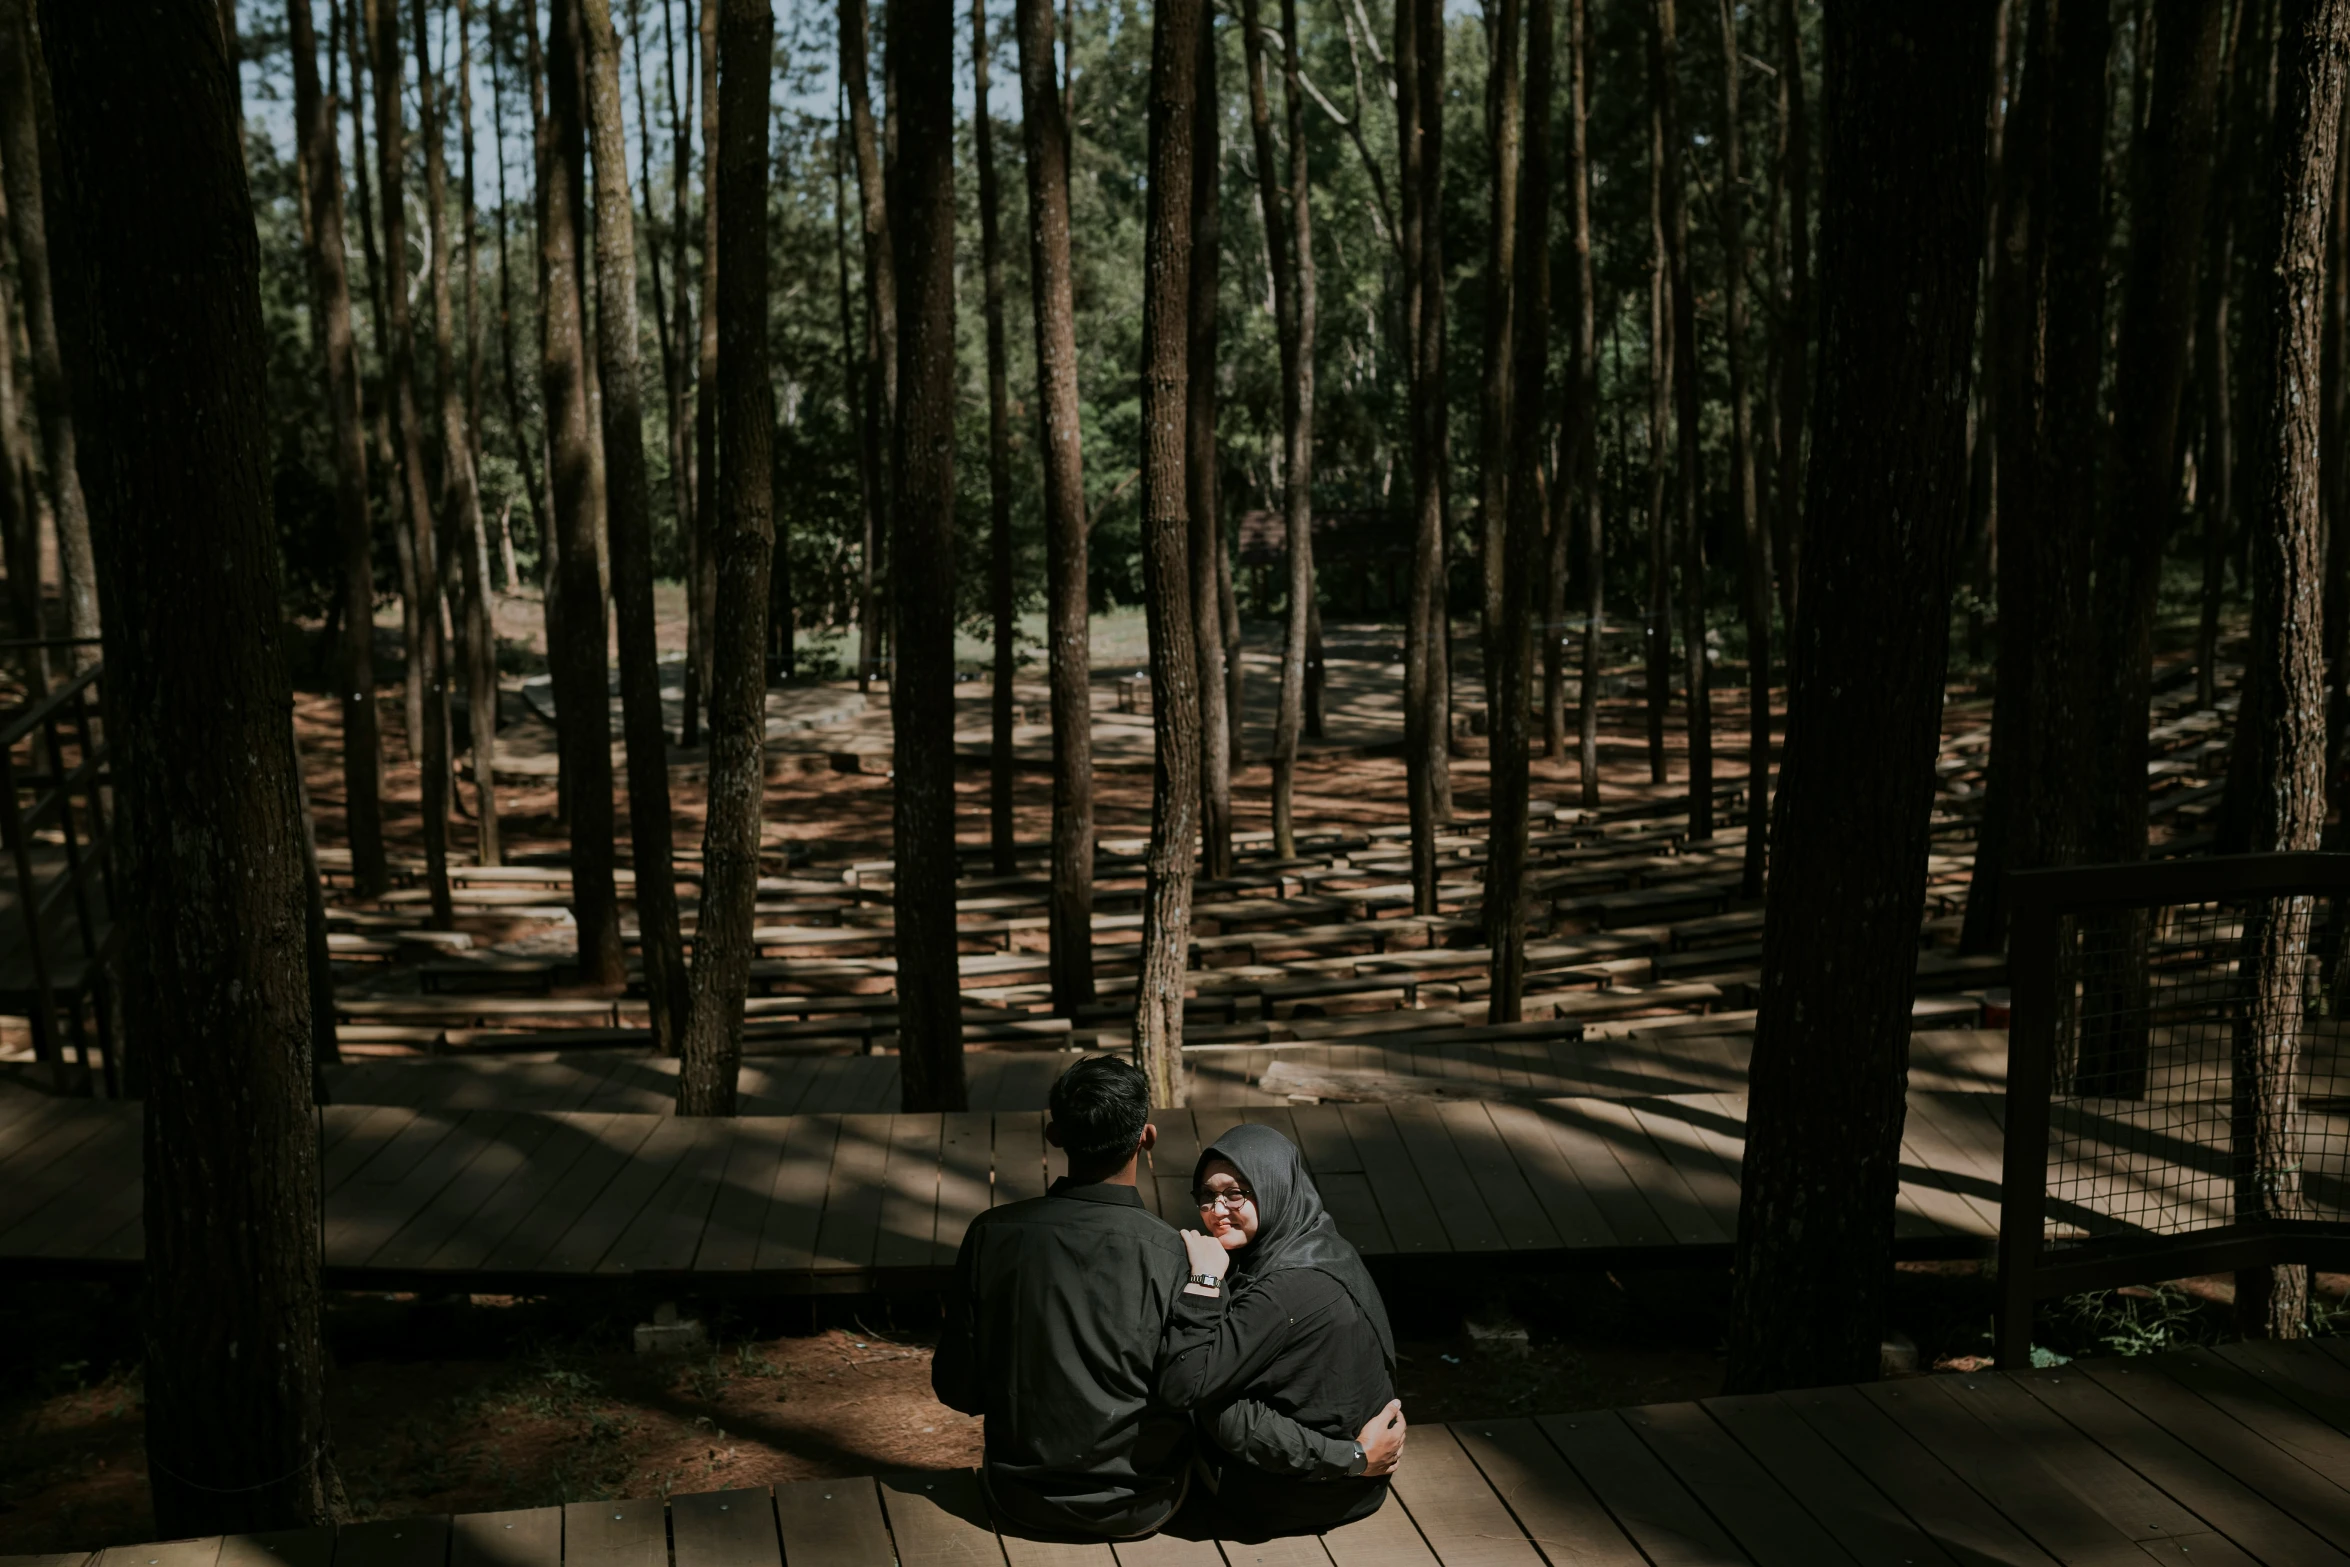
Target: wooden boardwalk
{"type": "Point", "coordinates": [2236, 1455]}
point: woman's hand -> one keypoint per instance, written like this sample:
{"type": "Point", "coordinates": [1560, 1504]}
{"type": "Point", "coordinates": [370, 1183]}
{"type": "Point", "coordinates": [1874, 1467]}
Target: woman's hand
{"type": "Point", "coordinates": [1382, 1440]}
{"type": "Point", "coordinates": [1206, 1256]}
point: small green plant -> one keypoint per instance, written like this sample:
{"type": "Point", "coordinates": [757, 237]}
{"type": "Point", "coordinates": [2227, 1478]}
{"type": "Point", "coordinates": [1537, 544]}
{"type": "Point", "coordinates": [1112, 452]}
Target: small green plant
{"type": "Point", "coordinates": [2137, 1320]}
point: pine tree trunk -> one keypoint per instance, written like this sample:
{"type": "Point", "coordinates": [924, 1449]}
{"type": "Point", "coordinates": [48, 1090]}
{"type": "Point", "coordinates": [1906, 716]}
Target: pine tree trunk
{"type": "Point", "coordinates": [1504, 140]}
{"type": "Point", "coordinates": [677, 381]}
{"type": "Point", "coordinates": [1176, 34]}
{"type": "Point", "coordinates": [330, 295]}
{"type": "Point", "coordinates": [28, 151]}
{"type": "Point", "coordinates": [1512, 726]}
{"type": "Point", "coordinates": [430, 743]}
{"type": "Point", "coordinates": [516, 428]}
{"type": "Point", "coordinates": [739, 543]}
{"type": "Point", "coordinates": [704, 585]}
{"type": "Point", "coordinates": [1899, 269]}
{"type": "Point", "coordinates": [1660, 417]}
{"type": "Point", "coordinates": [875, 198]}
{"type": "Point", "coordinates": [999, 462]}
{"type": "Point", "coordinates": [1732, 204]}
{"type": "Point", "coordinates": [460, 495]}
{"type": "Point", "coordinates": [1688, 482]}
{"type": "Point", "coordinates": [922, 557]}
{"type": "Point", "coordinates": [170, 372]}
{"type": "Point", "coordinates": [1067, 630]}
{"type": "Point", "coordinates": [1586, 410]}
{"type": "Point", "coordinates": [1795, 318]}
{"type": "Point", "coordinates": [1419, 70]}
{"type": "Point", "coordinates": [2284, 676]}
{"type": "Point", "coordinates": [1216, 723]}
{"type": "Point", "coordinates": [583, 691]}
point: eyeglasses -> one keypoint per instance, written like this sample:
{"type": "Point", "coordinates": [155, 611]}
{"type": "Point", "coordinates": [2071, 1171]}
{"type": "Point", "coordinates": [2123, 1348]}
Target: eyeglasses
{"type": "Point", "coordinates": [1228, 1201]}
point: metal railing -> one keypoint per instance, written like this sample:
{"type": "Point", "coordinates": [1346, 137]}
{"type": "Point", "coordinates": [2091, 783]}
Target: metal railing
{"type": "Point", "coordinates": [2178, 1078]}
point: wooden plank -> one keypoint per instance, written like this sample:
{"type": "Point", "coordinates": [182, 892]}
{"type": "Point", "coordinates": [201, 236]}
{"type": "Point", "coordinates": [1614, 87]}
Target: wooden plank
{"type": "Point", "coordinates": [1632, 1220]}
{"type": "Point", "coordinates": [787, 1235]}
{"type": "Point", "coordinates": [832, 1523]}
{"type": "Point", "coordinates": [1469, 1225]}
{"type": "Point", "coordinates": [966, 1154]}
{"type": "Point", "coordinates": [282, 1548]}
{"type": "Point", "coordinates": [2302, 1370]}
{"type": "Point", "coordinates": [527, 1537]}
{"type": "Point", "coordinates": [397, 1542]}
{"type": "Point", "coordinates": [852, 1203]}
{"type": "Point", "coordinates": [514, 1228]}
{"type": "Point", "coordinates": [1172, 1161]}
{"type": "Point", "coordinates": [370, 1211]}
{"type": "Point", "coordinates": [1771, 1527]}
{"type": "Point", "coordinates": [1574, 1217]}
{"type": "Point", "coordinates": [1686, 1220]}
{"type": "Point", "coordinates": [1649, 1504]}
{"type": "Point", "coordinates": [615, 1534]}
{"type": "Point", "coordinates": [169, 1553]}
{"type": "Point", "coordinates": [1020, 1552]}
{"type": "Point", "coordinates": [71, 1150]}
{"type": "Point", "coordinates": [362, 1139]}
{"type": "Point", "coordinates": [508, 1146]}
{"type": "Point", "coordinates": [1323, 1139]}
{"type": "Point", "coordinates": [666, 1234]}
{"type": "Point", "coordinates": [1800, 1462]}
{"type": "Point", "coordinates": [909, 1206]}
{"type": "Point", "coordinates": [938, 1519]}
{"type": "Point", "coordinates": [1912, 1477]}
{"type": "Point", "coordinates": [730, 1235]}
{"type": "Point", "coordinates": [725, 1529]}
{"type": "Point", "coordinates": [79, 1199]}
{"type": "Point", "coordinates": [1458, 1514]}
{"type": "Point", "coordinates": [1165, 1551]}
{"type": "Point", "coordinates": [1508, 1196]}
{"type": "Point", "coordinates": [2324, 1447]}
{"type": "Point", "coordinates": [1019, 1155]}
{"type": "Point", "coordinates": [580, 1236]}
{"type": "Point", "coordinates": [1671, 1125]}
{"type": "Point", "coordinates": [1549, 1500]}
{"type": "Point", "coordinates": [1413, 1223]}
{"type": "Point", "coordinates": [1387, 1538]}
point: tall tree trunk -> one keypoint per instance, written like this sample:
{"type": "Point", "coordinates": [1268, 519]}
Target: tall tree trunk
{"type": "Point", "coordinates": [630, 503]}
{"type": "Point", "coordinates": [1665, 82]}
{"type": "Point", "coordinates": [1504, 140]}
{"type": "Point", "coordinates": [1177, 30]}
{"type": "Point", "coordinates": [28, 148]}
{"type": "Point", "coordinates": [20, 506]}
{"type": "Point", "coordinates": [704, 586]}
{"type": "Point", "coordinates": [330, 294]}
{"type": "Point", "coordinates": [1288, 252]}
{"type": "Point", "coordinates": [1216, 727]}
{"type": "Point", "coordinates": [583, 689]}
{"type": "Point", "coordinates": [2284, 697]}
{"type": "Point", "coordinates": [1899, 267]}
{"type": "Point", "coordinates": [460, 495]}
{"type": "Point", "coordinates": [1046, 138]}
{"type": "Point", "coordinates": [677, 380]}
{"type": "Point", "coordinates": [1795, 317]}
{"type": "Point", "coordinates": [1732, 208]}
{"type": "Point", "coordinates": [524, 443]}
{"type": "Point", "coordinates": [430, 746]}
{"type": "Point", "coordinates": [1511, 728]}
{"type": "Point", "coordinates": [169, 373]}
{"type": "Point", "coordinates": [542, 142]}
{"type": "Point", "coordinates": [922, 557]}
{"type": "Point", "coordinates": [999, 461]}
{"type": "Point", "coordinates": [740, 542]}
{"type": "Point", "coordinates": [1419, 122]}
{"type": "Point", "coordinates": [881, 331]}
{"type": "Point", "coordinates": [1660, 423]}
{"type": "Point", "coordinates": [469, 267]}
{"type": "Point", "coordinates": [1586, 405]}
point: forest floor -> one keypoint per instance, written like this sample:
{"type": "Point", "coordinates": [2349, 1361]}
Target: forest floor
{"type": "Point", "coordinates": [465, 1404]}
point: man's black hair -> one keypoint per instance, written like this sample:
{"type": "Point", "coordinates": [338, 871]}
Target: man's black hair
{"type": "Point", "coordinates": [1100, 1106]}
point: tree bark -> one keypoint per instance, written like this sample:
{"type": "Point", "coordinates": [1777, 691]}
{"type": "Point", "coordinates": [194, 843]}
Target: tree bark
{"type": "Point", "coordinates": [583, 691]}
{"type": "Point", "coordinates": [169, 374]}
{"type": "Point", "coordinates": [460, 493]}
{"type": "Point", "coordinates": [1660, 417]}
{"type": "Point", "coordinates": [1665, 82]}
{"type": "Point", "coordinates": [1732, 211]}
{"type": "Point", "coordinates": [1067, 630]}
{"type": "Point", "coordinates": [1511, 727]}
{"type": "Point", "coordinates": [740, 542]}
{"type": "Point", "coordinates": [524, 444]}
{"type": "Point", "coordinates": [1177, 29]}
{"type": "Point", "coordinates": [922, 558]}
{"type": "Point", "coordinates": [330, 294]}
{"type": "Point", "coordinates": [677, 379]}
{"type": "Point", "coordinates": [704, 586]}
{"type": "Point", "coordinates": [1419, 71]}
{"type": "Point", "coordinates": [1795, 322]}
{"type": "Point", "coordinates": [881, 331]}
{"type": "Point", "coordinates": [412, 503]}
{"type": "Point", "coordinates": [1504, 132]}
{"type": "Point", "coordinates": [1586, 410]}
{"type": "Point", "coordinates": [999, 462]}
{"type": "Point", "coordinates": [20, 506]}
{"type": "Point", "coordinates": [2284, 676]}
{"type": "Point", "coordinates": [1899, 269]}
{"type": "Point", "coordinates": [630, 503]}
{"type": "Point", "coordinates": [28, 148]}
{"type": "Point", "coordinates": [1216, 724]}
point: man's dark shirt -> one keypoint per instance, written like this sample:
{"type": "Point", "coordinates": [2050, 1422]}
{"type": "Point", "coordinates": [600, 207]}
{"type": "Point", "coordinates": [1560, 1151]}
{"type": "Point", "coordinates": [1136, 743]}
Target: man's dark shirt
{"type": "Point", "coordinates": [1054, 1330]}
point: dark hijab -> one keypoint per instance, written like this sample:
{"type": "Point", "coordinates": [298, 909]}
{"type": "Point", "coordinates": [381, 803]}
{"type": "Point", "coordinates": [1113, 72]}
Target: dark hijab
{"type": "Point", "coordinates": [1294, 1230]}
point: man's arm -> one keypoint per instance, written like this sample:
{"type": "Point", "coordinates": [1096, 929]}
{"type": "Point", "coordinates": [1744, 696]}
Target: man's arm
{"type": "Point", "coordinates": [954, 1370]}
{"type": "Point", "coordinates": [1264, 1439]}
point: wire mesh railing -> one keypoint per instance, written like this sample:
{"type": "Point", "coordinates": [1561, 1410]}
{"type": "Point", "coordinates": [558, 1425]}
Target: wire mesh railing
{"type": "Point", "coordinates": [2178, 1094]}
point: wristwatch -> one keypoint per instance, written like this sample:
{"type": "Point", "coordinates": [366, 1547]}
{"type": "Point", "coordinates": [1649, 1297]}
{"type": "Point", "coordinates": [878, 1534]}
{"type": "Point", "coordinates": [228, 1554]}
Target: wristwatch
{"type": "Point", "coordinates": [1207, 1280]}
{"type": "Point", "coordinates": [1362, 1460]}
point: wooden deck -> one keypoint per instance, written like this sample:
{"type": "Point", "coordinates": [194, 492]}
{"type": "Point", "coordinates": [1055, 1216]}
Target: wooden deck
{"type": "Point", "coordinates": [2236, 1455]}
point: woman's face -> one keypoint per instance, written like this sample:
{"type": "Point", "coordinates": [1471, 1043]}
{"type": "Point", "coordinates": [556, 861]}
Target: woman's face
{"type": "Point", "coordinates": [1227, 1208]}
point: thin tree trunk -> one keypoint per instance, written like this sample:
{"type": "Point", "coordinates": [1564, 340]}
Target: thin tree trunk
{"type": "Point", "coordinates": [331, 297]}
{"type": "Point", "coordinates": [922, 557]}
{"type": "Point", "coordinates": [1046, 137]}
{"type": "Point", "coordinates": [881, 330]}
{"type": "Point", "coordinates": [583, 691]}
{"type": "Point", "coordinates": [1586, 411]}
{"type": "Point", "coordinates": [2216, 457]}
{"type": "Point", "coordinates": [999, 461]}
{"type": "Point", "coordinates": [1504, 133]}
{"type": "Point", "coordinates": [524, 444]}
{"type": "Point", "coordinates": [542, 141]}
{"type": "Point", "coordinates": [20, 506]}
{"type": "Point", "coordinates": [630, 521]}
{"type": "Point", "coordinates": [27, 149]}
{"type": "Point", "coordinates": [1795, 318]}
{"type": "Point", "coordinates": [1665, 81]}
{"type": "Point", "coordinates": [1899, 264]}
{"type": "Point", "coordinates": [431, 745]}
{"type": "Point", "coordinates": [468, 265]}
{"type": "Point", "coordinates": [1732, 204]}
{"type": "Point", "coordinates": [740, 543]}
{"type": "Point", "coordinates": [1556, 554]}
{"type": "Point", "coordinates": [1178, 28]}
{"type": "Point", "coordinates": [171, 373]}
{"type": "Point", "coordinates": [1660, 415]}
{"type": "Point", "coordinates": [460, 496]}
{"type": "Point", "coordinates": [1216, 727]}
{"type": "Point", "coordinates": [704, 586]}
{"type": "Point", "coordinates": [1419, 71]}
{"type": "Point", "coordinates": [677, 385]}
{"type": "Point", "coordinates": [1505, 857]}
{"type": "Point", "coordinates": [2284, 696]}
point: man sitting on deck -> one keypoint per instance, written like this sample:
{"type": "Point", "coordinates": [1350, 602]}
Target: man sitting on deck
{"type": "Point", "coordinates": [1055, 1325]}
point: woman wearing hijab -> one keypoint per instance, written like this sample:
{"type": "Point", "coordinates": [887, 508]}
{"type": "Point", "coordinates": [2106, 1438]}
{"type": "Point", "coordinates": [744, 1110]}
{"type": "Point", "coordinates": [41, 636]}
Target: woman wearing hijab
{"type": "Point", "coordinates": [1297, 1328]}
